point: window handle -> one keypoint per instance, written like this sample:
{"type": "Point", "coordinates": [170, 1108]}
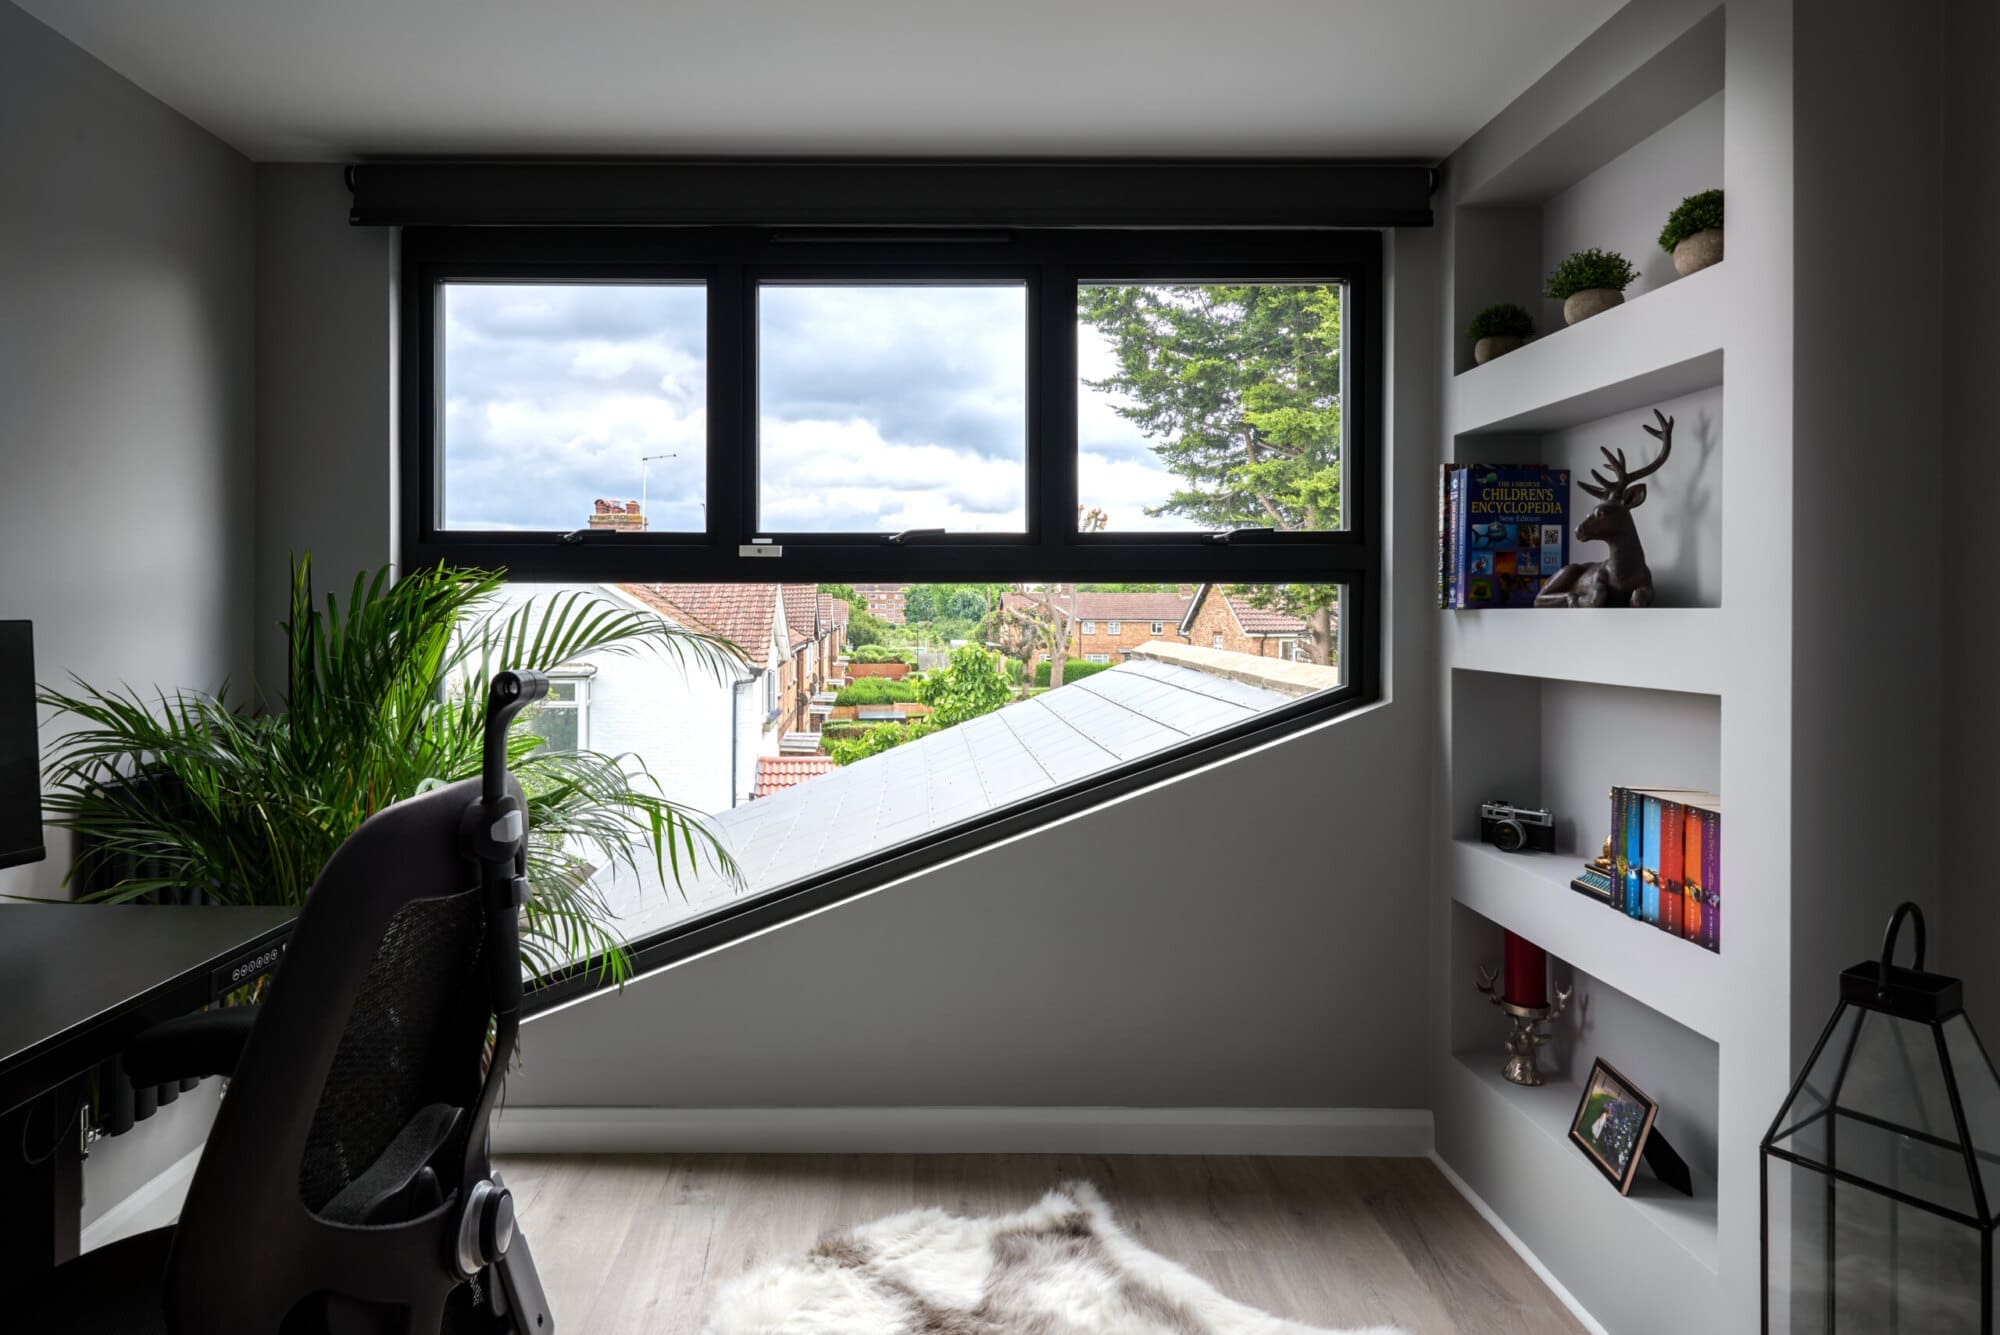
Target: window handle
{"type": "Point", "coordinates": [1222, 537]}
{"type": "Point", "coordinates": [898, 539]}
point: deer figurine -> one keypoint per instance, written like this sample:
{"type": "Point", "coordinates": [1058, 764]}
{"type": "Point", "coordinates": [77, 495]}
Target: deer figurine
{"type": "Point", "coordinates": [1622, 578]}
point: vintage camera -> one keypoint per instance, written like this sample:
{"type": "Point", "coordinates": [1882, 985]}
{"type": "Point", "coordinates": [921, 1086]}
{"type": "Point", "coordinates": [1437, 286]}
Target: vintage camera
{"type": "Point", "coordinates": [1511, 829]}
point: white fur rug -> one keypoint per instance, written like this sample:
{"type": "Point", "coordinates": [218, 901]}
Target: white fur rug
{"type": "Point", "coordinates": [1062, 1267]}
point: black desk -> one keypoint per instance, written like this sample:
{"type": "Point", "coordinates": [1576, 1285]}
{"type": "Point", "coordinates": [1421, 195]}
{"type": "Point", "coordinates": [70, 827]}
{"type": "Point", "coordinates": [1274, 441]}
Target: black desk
{"type": "Point", "coordinates": [76, 983]}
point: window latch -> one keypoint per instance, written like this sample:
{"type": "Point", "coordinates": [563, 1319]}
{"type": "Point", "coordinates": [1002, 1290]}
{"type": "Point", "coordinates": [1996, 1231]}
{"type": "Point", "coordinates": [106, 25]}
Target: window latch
{"type": "Point", "coordinates": [899, 539]}
{"type": "Point", "coordinates": [1222, 537]}
{"type": "Point", "coordinates": [573, 538]}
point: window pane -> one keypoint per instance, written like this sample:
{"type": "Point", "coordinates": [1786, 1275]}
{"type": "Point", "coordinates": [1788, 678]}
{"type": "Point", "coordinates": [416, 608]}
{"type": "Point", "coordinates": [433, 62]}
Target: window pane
{"type": "Point", "coordinates": [835, 734]}
{"type": "Point", "coordinates": [557, 724]}
{"type": "Point", "coordinates": [1209, 406]}
{"type": "Point", "coordinates": [885, 408]}
{"type": "Point", "coordinates": [569, 406]}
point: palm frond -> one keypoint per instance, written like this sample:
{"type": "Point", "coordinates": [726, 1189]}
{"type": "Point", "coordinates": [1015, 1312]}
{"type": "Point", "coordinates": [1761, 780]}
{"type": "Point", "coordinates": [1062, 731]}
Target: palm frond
{"type": "Point", "coordinates": [384, 699]}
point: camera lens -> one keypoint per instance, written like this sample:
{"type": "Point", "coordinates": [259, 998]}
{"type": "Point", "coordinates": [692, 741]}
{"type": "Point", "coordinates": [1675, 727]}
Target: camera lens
{"type": "Point", "coordinates": [1508, 836]}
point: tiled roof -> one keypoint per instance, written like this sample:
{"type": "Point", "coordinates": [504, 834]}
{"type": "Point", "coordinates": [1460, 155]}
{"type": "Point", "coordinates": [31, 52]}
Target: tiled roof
{"type": "Point", "coordinates": [1133, 710]}
{"type": "Point", "coordinates": [834, 611]}
{"type": "Point", "coordinates": [739, 613]}
{"type": "Point", "coordinates": [801, 612]}
{"type": "Point", "coordinates": [777, 773]}
{"type": "Point", "coordinates": [1109, 606]}
{"type": "Point", "coordinates": [1262, 620]}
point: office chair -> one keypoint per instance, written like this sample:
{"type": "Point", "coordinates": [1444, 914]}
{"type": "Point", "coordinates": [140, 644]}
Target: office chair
{"type": "Point", "coordinates": [346, 1188]}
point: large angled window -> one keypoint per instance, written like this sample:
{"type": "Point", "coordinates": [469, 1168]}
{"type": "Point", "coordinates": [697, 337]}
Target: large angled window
{"type": "Point", "coordinates": [991, 526]}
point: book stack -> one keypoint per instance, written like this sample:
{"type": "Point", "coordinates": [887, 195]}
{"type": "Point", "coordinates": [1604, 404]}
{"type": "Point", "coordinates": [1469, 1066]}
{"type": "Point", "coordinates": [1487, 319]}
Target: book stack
{"type": "Point", "coordinates": [1665, 862]}
{"type": "Point", "coordinates": [1503, 531]}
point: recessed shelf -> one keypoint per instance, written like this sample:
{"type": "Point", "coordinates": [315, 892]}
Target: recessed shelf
{"type": "Point", "coordinates": [1688, 1223]}
{"type": "Point", "coordinates": [1529, 895]}
{"type": "Point", "coordinates": [1657, 648]}
{"type": "Point", "coordinates": [1658, 346]}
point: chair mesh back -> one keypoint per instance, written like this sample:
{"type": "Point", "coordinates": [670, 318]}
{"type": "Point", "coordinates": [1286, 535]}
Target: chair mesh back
{"type": "Point", "coordinates": [415, 1036]}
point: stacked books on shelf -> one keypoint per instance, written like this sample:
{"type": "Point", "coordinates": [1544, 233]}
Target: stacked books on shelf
{"type": "Point", "coordinates": [1503, 531]}
{"type": "Point", "coordinates": [1663, 862]}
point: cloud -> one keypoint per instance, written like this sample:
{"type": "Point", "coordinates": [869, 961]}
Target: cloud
{"type": "Point", "coordinates": [881, 408]}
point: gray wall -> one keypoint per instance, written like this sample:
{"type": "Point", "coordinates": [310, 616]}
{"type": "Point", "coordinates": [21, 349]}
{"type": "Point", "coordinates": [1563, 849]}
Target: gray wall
{"type": "Point", "coordinates": [1868, 431]}
{"type": "Point", "coordinates": [326, 431]}
{"type": "Point", "coordinates": [1970, 942]}
{"type": "Point", "coordinates": [125, 381]}
{"type": "Point", "coordinates": [125, 418]}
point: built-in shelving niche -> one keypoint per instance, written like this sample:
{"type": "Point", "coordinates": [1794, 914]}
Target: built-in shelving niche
{"type": "Point", "coordinates": [1518, 1143]}
{"type": "Point", "coordinates": [1607, 178]}
{"type": "Point", "coordinates": [1680, 522]}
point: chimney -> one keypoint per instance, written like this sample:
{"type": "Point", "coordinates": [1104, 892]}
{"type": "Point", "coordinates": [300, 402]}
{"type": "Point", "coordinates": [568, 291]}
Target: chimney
{"type": "Point", "coordinates": [1187, 591]}
{"type": "Point", "coordinates": [616, 517]}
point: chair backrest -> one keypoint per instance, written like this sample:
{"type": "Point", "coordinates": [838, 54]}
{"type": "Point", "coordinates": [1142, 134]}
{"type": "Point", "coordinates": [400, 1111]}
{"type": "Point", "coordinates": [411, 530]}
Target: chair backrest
{"type": "Point", "coordinates": [381, 1008]}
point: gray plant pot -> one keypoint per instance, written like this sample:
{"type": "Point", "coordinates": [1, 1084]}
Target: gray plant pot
{"type": "Point", "coordinates": [1493, 345]}
{"type": "Point", "coordinates": [1695, 253]}
{"type": "Point", "coordinates": [1591, 301]}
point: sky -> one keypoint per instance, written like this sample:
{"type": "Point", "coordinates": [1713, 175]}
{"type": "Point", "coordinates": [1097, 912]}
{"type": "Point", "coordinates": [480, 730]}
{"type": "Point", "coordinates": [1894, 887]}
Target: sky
{"type": "Point", "coordinates": [881, 409]}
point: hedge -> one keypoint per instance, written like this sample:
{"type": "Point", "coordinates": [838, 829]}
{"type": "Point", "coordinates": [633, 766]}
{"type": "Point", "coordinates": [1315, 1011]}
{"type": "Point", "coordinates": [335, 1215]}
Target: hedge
{"type": "Point", "coordinates": [1074, 669]}
{"type": "Point", "coordinates": [876, 691]}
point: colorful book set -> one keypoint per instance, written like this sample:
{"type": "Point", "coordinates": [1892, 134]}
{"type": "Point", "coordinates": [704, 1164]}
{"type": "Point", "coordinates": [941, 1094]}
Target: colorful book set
{"type": "Point", "coordinates": [1503, 530]}
{"type": "Point", "coordinates": [1663, 862]}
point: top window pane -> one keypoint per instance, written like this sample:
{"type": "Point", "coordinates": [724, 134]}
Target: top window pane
{"type": "Point", "coordinates": [1210, 406]}
{"type": "Point", "coordinates": [892, 407]}
{"type": "Point", "coordinates": [569, 406]}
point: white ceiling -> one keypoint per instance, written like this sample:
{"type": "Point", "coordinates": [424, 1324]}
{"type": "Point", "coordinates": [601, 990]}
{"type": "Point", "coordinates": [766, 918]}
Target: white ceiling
{"type": "Point", "coordinates": [314, 80]}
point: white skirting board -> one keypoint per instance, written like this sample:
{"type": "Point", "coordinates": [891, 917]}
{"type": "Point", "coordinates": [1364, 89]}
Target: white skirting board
{"type": "Point", "coordinates": [1507, 1235]}
{"type": "Point", "coordinates": [1291, 1131]}
{"type": "Point", "coordinates": [154, 1205]}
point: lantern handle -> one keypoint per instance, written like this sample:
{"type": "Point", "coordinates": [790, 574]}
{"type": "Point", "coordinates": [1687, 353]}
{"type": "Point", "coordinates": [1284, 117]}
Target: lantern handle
{"type": "Point", "coordinates": [1906, 909]}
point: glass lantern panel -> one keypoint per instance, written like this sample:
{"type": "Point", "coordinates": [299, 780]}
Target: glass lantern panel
{"type": "Point", "coordinates": [1891, 1120]}
{"type": "Point", "coordinates": [1979, 1093]}
{"type": "Point", "coordinates": [1845, 1259]}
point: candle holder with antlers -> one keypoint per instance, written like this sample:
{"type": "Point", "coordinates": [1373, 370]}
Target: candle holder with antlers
{"type": "Point", "coordinates": [1524, 1036]}
{"type": "Point", "coordinates": [1622, 578]}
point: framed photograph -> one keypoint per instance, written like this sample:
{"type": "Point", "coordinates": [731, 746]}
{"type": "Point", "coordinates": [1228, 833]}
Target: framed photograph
{"type": "Point", "coordinates": [1612, 1123]}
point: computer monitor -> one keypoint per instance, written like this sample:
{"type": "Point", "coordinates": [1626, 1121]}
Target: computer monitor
{"type": "Point", "coordinates": [20, 753]}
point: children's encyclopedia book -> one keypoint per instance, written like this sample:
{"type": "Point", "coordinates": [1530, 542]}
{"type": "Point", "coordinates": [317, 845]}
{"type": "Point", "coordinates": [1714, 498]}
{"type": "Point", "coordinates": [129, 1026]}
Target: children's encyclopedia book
{"type": "Point", "coordinates": [1506, 531]}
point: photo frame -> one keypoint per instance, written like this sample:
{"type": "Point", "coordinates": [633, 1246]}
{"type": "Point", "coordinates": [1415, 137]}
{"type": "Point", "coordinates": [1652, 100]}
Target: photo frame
{"type": "Point", "coordinates": [1613, 1122]}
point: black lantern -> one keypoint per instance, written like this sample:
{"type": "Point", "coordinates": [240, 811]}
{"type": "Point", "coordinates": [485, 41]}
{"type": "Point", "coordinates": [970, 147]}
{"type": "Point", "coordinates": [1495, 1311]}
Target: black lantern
{"type": "Point", "coordinates": [1882, 1171]}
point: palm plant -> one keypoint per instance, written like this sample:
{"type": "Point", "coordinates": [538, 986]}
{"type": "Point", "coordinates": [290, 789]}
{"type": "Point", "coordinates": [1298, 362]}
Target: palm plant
{"type": "Point", "coordinates": [384, 700]}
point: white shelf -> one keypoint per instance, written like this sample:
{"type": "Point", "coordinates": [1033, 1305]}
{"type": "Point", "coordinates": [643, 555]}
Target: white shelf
{"type": "Point", "coordinates": [1687, 1222]}
{"type": "Point", "coordinates": [1660, 345]}
{"type": "Point", "coordinates": [1654, 648]}
{"type": "Point", "coordinates": [1529, 895]}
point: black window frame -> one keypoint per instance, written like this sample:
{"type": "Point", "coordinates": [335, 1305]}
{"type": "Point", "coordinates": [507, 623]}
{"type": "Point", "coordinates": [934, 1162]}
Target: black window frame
{"type": "Point", "coordinates": [1054, 262]}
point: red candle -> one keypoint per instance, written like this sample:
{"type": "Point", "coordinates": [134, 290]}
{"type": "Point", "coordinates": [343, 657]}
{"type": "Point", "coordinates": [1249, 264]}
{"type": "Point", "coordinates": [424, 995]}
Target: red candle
{"type": "Point", "coordinates": [1527, 977]}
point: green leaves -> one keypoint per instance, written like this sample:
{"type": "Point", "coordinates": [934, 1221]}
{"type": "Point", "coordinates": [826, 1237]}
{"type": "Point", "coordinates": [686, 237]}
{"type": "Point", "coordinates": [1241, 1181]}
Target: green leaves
{"type": "Point", "coordinates": [1696, 213]}
{"type": "Point", "coordinates": [384, 699]}
{"type": "Point", "coordinates": [1503, 321]}
{"type": "Point", "coordinates": [1587, 269]}
{"type": "Point", "coordinates": [1239, 387]}
{"type": "Point", "coordinates": [969, 685]}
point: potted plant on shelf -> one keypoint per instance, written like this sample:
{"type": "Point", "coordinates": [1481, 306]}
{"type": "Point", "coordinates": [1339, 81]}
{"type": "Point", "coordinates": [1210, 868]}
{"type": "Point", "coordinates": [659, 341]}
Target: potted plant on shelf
{"type": "Point", "coordinates": [1693, 234]}
{"type": "Point", "coordinates": [1590, 282]}
{"type": "Point", "coordinates": [1499, 330]}
{"type": "Point", "coordinates": [383, 702]}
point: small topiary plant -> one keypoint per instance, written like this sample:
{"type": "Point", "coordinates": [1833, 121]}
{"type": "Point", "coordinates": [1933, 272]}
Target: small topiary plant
{"type": "Point", "coordinates": [1588, 269]}
{"type": "Point", "coordinates": [1503, 321]}
{"type": "Point", "coordinates": [1696, 213]}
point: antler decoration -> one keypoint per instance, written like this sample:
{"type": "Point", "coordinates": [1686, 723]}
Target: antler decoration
{"type": "Point", "coordinates": [1613, 488]}
{"type": "Point", "coordinates": [1524, 1034]}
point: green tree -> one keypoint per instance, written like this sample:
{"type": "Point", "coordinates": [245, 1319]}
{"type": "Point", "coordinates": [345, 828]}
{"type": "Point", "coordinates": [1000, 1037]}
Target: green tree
{"type": "Point", "coordinates": [874, 741]}
{"type": "Point", "coordinates": [965, 604]}
{"type": "Point", "coordinates": [920, 603]}
{"type": "Point", "coordinates": [1238, 387]}
{"type": "Point", "coordinates": [969, 685]}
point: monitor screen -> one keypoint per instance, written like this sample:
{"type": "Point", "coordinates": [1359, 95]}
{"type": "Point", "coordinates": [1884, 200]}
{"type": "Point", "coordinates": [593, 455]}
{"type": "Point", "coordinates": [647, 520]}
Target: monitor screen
{"type": "Point", "coordinates": [20, 763]}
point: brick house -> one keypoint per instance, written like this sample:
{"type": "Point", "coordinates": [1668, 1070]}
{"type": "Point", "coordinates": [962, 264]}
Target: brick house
{"type": "Point", "coordinates": [1104, 627]}
{"type": "Point", "coordinates": [884, 600]}
{"type": "Point", "coordinates": [1216, 619]}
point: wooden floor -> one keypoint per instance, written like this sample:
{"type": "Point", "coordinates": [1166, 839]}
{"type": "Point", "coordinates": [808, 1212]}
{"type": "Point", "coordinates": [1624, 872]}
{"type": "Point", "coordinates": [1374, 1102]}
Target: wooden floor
{"type": "Point", "coordinates": [642, 1244]}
